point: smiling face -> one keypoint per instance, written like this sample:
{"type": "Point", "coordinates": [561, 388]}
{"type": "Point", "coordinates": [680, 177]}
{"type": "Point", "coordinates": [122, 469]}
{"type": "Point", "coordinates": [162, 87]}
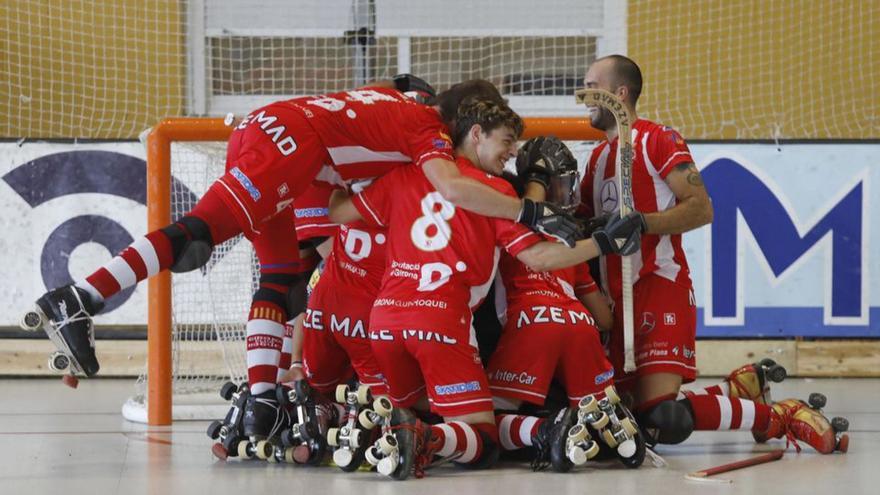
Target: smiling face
{"type": "Point", "coordinates": [600, 75]}
{"type": "Point", "coordinates": [493, 149]}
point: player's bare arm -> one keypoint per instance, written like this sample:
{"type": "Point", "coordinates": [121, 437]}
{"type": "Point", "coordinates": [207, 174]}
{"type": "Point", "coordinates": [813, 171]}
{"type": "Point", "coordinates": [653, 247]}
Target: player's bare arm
{"type": "Point", "coordinates": [546, 256]}
{"type": "Point", "coordinates": [341, 209]}
{"type": "Point", "coordinates": [694, 208]}
{"type": "Point", "coordinates": [598, 306]}
{"type": "Point", "coordinates": [467, 193]}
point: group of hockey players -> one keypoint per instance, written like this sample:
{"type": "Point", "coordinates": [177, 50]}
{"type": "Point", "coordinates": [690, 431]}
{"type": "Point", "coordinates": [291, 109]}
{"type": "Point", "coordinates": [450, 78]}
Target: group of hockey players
{"type": "Point", "coordinates": [382, 217]}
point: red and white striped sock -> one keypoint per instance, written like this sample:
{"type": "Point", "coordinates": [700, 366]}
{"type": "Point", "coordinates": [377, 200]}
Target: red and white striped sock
{"type": "Point", "coordinates": [144, 258]}
{"type": "Point", "coordinates": [717, 412]}
{"type": "Point", "coordinates": [722, 388]}
{"type": "Point", "coordinates": [265, 336]}
{"type": "Point", "coordinates": [459, 438]}
{"type": "Point", "coordinates": [515, 431]}
{"type": "Point", "coordinates": [286, 351]}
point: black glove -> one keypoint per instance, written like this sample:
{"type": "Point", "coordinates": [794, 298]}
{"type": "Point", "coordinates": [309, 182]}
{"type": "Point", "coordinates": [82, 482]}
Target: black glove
{"type": "Point", "coordinates": [593, 224]}
{"type": "Point", "coordinates": [550, 221]}
{"type": "Point", "coordinates": [621, 235]}
{"type": "Point", "coordinates": [415, 87]}
{"type": "Point", "coordinates": [543, 157]}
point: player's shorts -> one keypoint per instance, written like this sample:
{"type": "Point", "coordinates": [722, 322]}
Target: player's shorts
{"type": "Point", "coordinates": [549, 340]}
{"type": "Point", "coordinates": [271, 159]}
{"type": "Point", "coordinates": [336, 341]}
{"type": "Point", "coordinates": [665, 327]}
{"type": "Point", "coordinates": [420, 362]}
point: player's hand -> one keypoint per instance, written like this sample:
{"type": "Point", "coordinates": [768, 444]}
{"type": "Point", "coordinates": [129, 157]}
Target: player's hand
{"type": "Point", "coordinates": [550, 221]}
{"type": "Point", "coordinates": [622, 235]}
{"type": "Point", "coordinates": [414, 87]}
{"type": "Point", "coordinates": [593, 224]}
{"type": "Point", "coordinates": [541, 158]}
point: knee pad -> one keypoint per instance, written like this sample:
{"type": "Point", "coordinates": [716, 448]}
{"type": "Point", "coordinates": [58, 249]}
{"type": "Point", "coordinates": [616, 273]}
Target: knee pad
{"type": "Point", "coordinates": [671, 421]}
{"type": "Point", "coordinates": [284, 290]}
{"type": "Point", "coordinates": [191, 243]}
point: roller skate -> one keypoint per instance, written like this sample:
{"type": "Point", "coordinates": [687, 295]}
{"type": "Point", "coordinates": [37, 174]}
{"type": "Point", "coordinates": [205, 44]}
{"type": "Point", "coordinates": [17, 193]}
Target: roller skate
{"type": "Point", "coordinates": [65, 315]}
{"type": "Point", "coordinates": [797, 420]}
{"type": "Point", "coordinates": [405, 446]}
{"type": "Point", "coordinates": [352, 438]}
{"type": "Point", "coordinates": [303, 441]}
{"type": "Point", "coordinates": [752, 382]}
{"type": "Point", "coordinates": [229, 433]}
{"type": "Point", "coordinates": [611, 421]}
{"type": "Point", "coordinates": [553, 443]}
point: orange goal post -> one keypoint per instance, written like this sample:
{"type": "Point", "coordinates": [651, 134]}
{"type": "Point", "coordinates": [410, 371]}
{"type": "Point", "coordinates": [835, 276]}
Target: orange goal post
{"type": "Point", "coordinates": [191, 355]}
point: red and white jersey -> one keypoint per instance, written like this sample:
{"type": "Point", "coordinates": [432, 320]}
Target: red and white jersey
{"type": "Point", "coordinates": [311, 213]}
{"type": "Point", "coordinates": [357, 262]}
{"type": "Point", "coordinates": [441, 259]}
{"type": "Point", "coordinates": [518, 285]}
{"type": "Point", "coordinates": [657, 150]}
{"type": "Point", "coordinates": [369, 131]}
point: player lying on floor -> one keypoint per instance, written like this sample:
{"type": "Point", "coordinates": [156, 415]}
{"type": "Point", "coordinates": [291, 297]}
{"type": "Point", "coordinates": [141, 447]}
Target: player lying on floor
{"type": "Point", "coordinates": [440, 262]}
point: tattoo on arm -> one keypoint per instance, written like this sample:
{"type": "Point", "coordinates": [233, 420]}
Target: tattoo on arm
{"type": "Point", "coordinates": [693, 175]}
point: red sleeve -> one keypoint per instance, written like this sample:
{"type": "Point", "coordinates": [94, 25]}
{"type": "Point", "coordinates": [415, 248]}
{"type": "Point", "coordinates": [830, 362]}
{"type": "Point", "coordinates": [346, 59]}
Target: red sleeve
{"type": "Point", "coordinates": [429, 138]}
{"type": "Point", "coordinates": [511, 236]}
{"type": "Point", "coordinates": [666, 149]}
{"type": "Point", "coordinates": [374, 202]}
{"type": "Point", "coordinates": [585, 209]}
{"type": "Point", "coordinates": [583, 282]}
{"type": "Point", "coordinates": [311, 213]}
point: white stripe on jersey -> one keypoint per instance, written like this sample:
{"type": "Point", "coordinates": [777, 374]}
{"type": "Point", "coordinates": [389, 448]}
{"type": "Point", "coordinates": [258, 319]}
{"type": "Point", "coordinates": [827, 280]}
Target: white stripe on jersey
{"type": "Point", "coordinates": [347, 155]}
{"type": "Point", "coordinates": [664, 253]}
{"type": "Point", "coordinates": [668, 160]}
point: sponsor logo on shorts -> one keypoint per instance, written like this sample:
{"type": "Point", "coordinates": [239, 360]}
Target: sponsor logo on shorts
{"type": "Point", "coordinates": [311, 212]}
{"type": "Point", "coordinates": [512, 377]}
{"type": "Point", "coordinates": [688, 353]}
{"type": "Point", "coordinates": [604, 377]}
{"type": "Point", "coordinates": [669, 318]}
{"type": "Point", "coordinates": [283, 190]}
{"type": "Point", "coordinates": [647, 323]}
{"type": "Point", "coordinates": [245, 183]}
{"type": "Point", "coordinates": [457, 388]}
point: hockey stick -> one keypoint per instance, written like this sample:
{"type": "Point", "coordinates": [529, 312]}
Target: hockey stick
{"type": "Point", "coordinates": [624, 119]}
{"type": "Point", "coordinates": [704, 474]}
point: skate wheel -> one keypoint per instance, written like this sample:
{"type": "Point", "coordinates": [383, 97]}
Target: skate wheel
{"type": "Point", "coordinates": [577, 433]}
{"type": "Point", "coordinates": [601, 421]}
{"type": "Point", "coordinates": [264, 449]}
{"type": "Point", "coordinates": [592, 449]}
{"type": "Point", "coordinates": [219, 452]}
{"type": "Point", "coordinates": [611, 394]}
{"type": "Point", "coordinates": [70, 380]}
{"type": "Point", "coordinates": [227, 390]}
{"type": "Point", "coordinates": [354, 439]}
{"type": "Point", "coordinates": [273, 459]}
{"type": "Point", "coordinates": [243, 450]}
{"type": "Point", "coordinates": [288, 456]}
{"type": "Point", "coordinates": [629, 427]}
{"type": "Point", "coordinates": [214, 429]}
{"type": "Point", "coordinates": [839, 424]}
{"type": "Point", "coordinates": [342, 394]}
{"type": "Point", "coordinates": [387, 466]}
{"type": "Point", "coordinates": [364, 396]}
{"type": "Point", "coordinates": [31, 321]}
{"type": "Point", "coordinates": [383, 406]}
{"type": "Point", "coordinates": [609, 438]}
{"type": "Point", "coordinates": [817, 400]}
{"type": "Point", "coordinates": [577, 456]}
{"type": "Point", "coordinates": [333, 437]}
{"type": "Point", "coordinates": [776, 373]}
{"type": "Point", "coordinates": [58, 361]}
{"type": "Point", "coordinates": [588, 404]}
{"type": "Point", "coordinates": [842, 444]}
{"type": "Point", "coordinates": [365, 421]}
{"type": "Point", "coordinates": [342, 457]}
{"type": "Point", "coordinates": [766, 363]}
{"type": "Point", "coordinates": [301, 454]}
{"type": "Point", "coordinates": [373, 456]}
{"type": "Point", "coordinates": [387, 444]}
{"type": "Point", "coordinates": [627, 449]}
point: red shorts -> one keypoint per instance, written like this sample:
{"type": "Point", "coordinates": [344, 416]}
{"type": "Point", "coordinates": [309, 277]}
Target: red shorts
{"type": "Point", "coordinates": [336, 341]}
{"type": "Point", "coordinates": [271, 159]}
{"type": "Point", "coordinates": [449, 368]}
{"type": "Point", "coordinates": [546, 340]}
{"type": "Point", "coordinates": [665, 329]}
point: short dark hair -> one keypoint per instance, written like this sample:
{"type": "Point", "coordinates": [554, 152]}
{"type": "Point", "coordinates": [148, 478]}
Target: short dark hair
{"type": "Point", "coordinates": [448, 101]}
{"type": "Point", "coordinates": [489, 114]}
{"type": "Point", "coordinates": [627, 73]}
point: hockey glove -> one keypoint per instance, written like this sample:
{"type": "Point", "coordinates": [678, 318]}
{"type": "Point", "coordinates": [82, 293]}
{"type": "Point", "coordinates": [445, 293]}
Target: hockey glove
{"type": "Point", "coordinates": [621, 235]}
{"type": "Point", "coordinates": [550, 221]}
{"type": "Point", "coordinates": [414, 87]}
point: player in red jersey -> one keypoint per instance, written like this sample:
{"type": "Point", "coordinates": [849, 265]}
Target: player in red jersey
{"type": "Point", "coordinates": [440, 263]}
{"type": "Point", "coordinates": [272, 157]}
{"type": "Point", "coordinates": [668, 190]}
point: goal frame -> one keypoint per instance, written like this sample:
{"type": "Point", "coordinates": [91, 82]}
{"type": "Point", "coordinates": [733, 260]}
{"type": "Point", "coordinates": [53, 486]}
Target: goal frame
{"type": "Point", "coordinates": [193, 129]}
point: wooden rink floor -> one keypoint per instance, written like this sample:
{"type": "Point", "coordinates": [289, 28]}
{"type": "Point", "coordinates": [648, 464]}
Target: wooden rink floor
{"type": "Point", "coordinates": [57, 440]}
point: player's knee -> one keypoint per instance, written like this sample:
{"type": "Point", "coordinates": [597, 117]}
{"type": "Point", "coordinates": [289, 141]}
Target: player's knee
{"type": "Point", "coordinates": [191, 243]}
{"type": "Point", "coordinates": [284, 290]}
{"type": "Point", "coordinates": [668, 422]}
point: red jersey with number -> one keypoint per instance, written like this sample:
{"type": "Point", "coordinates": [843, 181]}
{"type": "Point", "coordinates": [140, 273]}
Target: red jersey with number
{"type": "Point", "coordinates": [657, 150]}
{"type": "Point", "coordinates": [519, 285]}
{"type": "Point", "coordinates": [441, 259]}
{"type": "Point", "coordinates": [357, 261]}
{"type": "Point", "coordinates": [311, 213]}
{"type": "Point", "coordinates": [369, 131]}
